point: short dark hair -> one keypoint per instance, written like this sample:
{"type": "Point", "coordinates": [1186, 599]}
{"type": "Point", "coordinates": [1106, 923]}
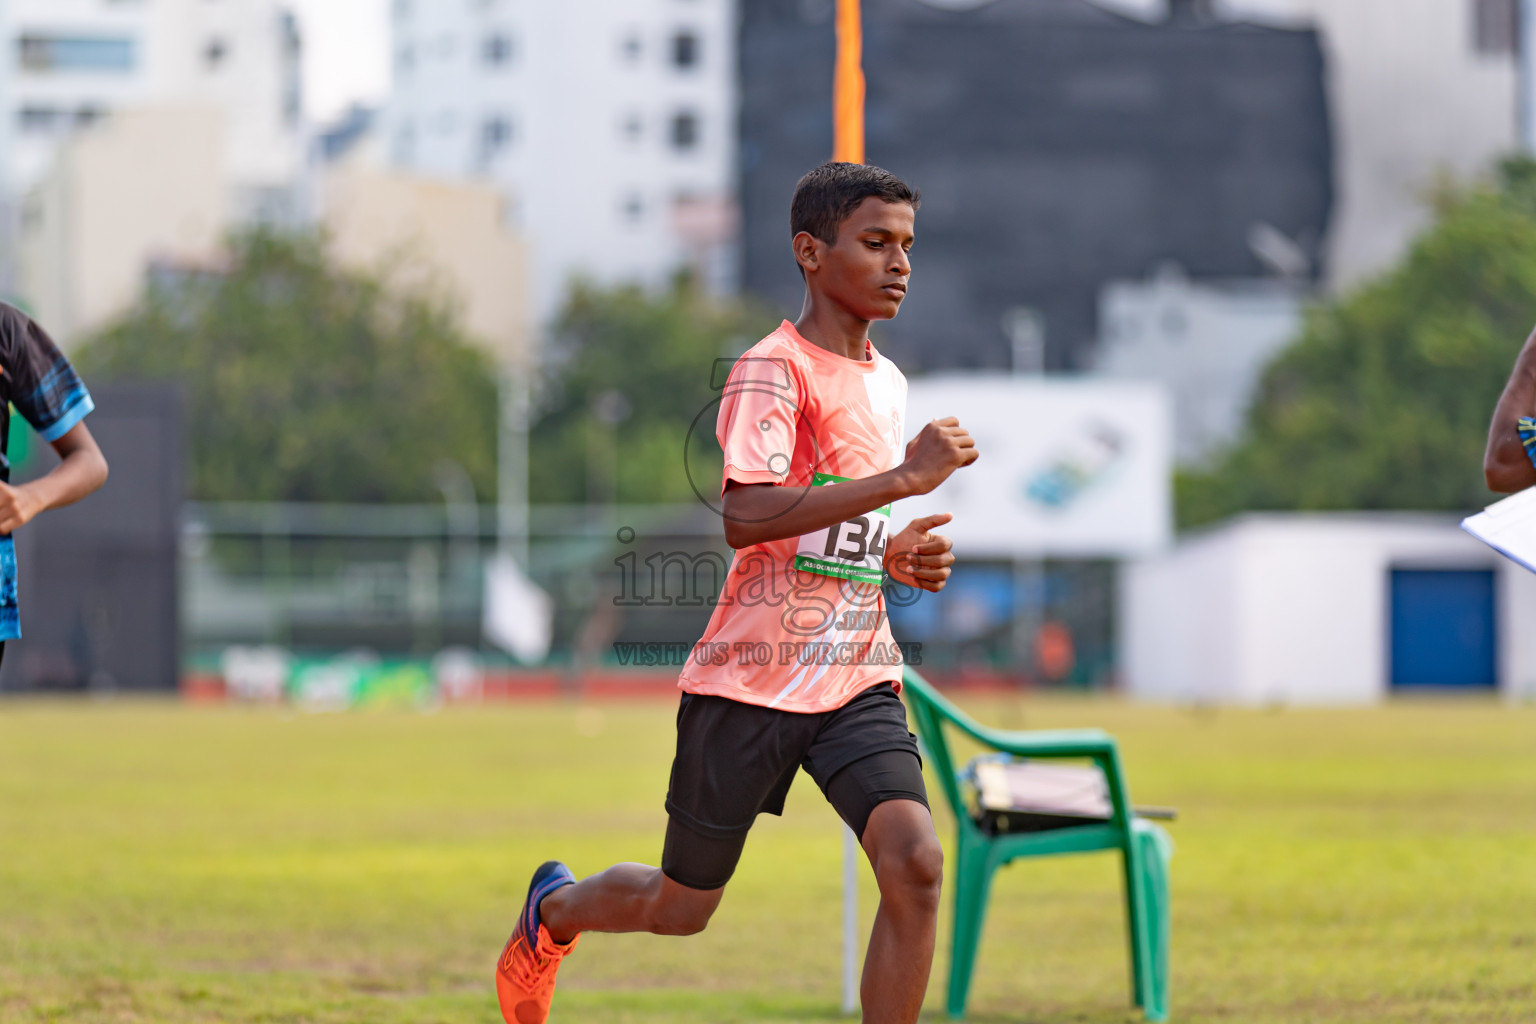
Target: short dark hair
{"type": "Point", "coordinates": [826, 196]}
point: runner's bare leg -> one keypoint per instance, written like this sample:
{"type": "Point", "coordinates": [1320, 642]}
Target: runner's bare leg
{"type": "Point", "coordinates": [909, 865]}
{"type": "Point", "coordinates": [628, 898]}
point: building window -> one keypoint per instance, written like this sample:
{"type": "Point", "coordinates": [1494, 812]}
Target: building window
{"type": "Point", "coordinates": [685, 50]}
{"type": "Point", "coordinates": [76, 53]}
{"type": "Point", "coordinates": [37, 120]}
{"type": "Point", "coordinates": [293, 39]}
{"type": "Point", "coordinates": [405, 146]}
{"type": "Point", "coordinates": [214, 54]}
{"type": "Point", "coordinates": [496, 50]}
{"type": "Point", "coordinates": [1496, 27]}
{"type": "Point", "coordinates": [632, 127]}
{"type": "Point", "coordinates": [630, 47]}
{"type": "Point", "coordinates": [32, 213]}
{"type": "Point", "coordinates": [495, 136]}
{"type": "Point", "coordinates": [402, 9]}
{"type": "Point", "coordinates": [633, 208]}
{"type": "Point", "coordinates": [405, 60]}
{"type": "Point", "coordinates": [88, 115]}
{"type": "Point", "coordinates": [685, 131]}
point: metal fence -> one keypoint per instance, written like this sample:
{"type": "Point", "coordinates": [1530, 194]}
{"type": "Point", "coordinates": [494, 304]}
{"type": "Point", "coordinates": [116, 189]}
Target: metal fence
{"type": "Point", "coordinates": [409, 580]}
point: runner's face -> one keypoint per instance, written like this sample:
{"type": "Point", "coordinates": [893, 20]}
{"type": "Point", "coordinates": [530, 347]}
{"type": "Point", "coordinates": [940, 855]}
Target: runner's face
{"type": "Point", "coordinates": [866, 271]}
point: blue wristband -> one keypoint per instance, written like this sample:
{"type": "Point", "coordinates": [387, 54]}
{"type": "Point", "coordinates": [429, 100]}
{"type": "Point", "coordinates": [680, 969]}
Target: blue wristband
{"type": "Point", "coordinates": [1526, 427]}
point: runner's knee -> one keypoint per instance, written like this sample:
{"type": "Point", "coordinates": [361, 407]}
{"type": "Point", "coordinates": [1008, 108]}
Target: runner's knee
{"type": "Point", "coordinates": [913, 870]}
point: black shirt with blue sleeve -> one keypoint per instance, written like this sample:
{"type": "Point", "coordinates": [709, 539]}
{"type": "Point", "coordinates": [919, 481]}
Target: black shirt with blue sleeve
{"type": "Point", "coordinates": [38, 381]}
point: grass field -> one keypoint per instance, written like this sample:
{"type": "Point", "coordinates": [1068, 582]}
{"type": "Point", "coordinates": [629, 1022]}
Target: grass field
{"type": "Point", "coordinates": [162, 863]}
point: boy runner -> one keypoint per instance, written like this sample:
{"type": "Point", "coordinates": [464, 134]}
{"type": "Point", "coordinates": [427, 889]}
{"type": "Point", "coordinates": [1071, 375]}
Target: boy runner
{"type": "Point", "coordinates": [37, 379]}
{"type": "Point", "coordinates": [797, 667]}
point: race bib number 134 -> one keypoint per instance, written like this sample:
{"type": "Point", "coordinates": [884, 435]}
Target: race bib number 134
{"type": "Point", "coordinates": [850, 550]}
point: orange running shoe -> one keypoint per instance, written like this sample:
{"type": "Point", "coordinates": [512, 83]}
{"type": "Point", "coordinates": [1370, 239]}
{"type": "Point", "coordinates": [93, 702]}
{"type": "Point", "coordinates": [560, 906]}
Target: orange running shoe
{"type": "Point", "coordinates": [525, 974]}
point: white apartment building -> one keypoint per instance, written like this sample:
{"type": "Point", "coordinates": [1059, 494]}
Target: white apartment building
{"type": "Point", "coordinates": [608, 125]}
{"type": "Point", "coordinates": [67, 63]}
{"type": "Point", "coordinates": [1421, 90]}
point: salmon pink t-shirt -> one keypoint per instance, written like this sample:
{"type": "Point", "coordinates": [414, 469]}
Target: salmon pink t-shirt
{"type": "Point", "coordinates": [794, 414]}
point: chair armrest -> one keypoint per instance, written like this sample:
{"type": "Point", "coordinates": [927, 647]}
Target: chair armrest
{"type": "Point", "coordinates": [1033, 743]}
{"type": "Point", "coordinates": [1048, 742]}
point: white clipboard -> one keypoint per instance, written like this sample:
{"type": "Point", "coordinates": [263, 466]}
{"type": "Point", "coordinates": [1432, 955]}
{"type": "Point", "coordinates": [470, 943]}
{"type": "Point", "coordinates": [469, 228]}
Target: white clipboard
{"type": "Point", "coordinates": [1509, 527]}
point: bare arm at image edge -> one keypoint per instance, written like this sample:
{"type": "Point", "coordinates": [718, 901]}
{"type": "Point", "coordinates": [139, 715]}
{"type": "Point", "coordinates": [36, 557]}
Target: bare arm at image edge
{"type": "Point", "coordinates": [82, 469]}
{"type": "Point", "coordinates": [1507, 466]}
{"type": "Point", "coordinates": [47, 393]}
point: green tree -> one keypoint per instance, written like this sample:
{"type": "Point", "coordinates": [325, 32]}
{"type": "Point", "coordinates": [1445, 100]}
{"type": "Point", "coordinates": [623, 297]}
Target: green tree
{"type": "Point", "coordinates": [1384, 402]}
{"type": "Point", "coordinates": [627, 376]}
{"type": "Point", "coordinates": [304, 382]}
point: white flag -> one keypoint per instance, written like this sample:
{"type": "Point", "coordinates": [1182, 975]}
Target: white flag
{"type": "Point", "coordinates": [519, 617]}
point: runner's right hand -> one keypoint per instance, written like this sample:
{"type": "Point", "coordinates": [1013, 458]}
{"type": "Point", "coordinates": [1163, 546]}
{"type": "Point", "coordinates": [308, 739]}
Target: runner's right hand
{"type": "Point", "coordinates": [943, 447]}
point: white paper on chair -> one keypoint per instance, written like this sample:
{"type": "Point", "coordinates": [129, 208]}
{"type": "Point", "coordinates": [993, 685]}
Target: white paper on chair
{"type": "Point", "coordinates": [1042, 788]}
{"type": "Point", "coordinates": [1509, 527]}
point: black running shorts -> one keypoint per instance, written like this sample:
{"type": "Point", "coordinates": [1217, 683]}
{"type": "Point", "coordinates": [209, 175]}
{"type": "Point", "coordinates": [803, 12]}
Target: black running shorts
{"type": "Point", "coordinates": [736, 761]}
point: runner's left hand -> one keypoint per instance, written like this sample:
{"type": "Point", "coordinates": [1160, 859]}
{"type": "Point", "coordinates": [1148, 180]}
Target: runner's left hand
{"type": "Point", "coordinates": [920, 558]}
{"type": "Point", "coordinates": [18, 506]}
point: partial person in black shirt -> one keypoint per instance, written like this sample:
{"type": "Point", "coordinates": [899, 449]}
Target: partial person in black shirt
{"type": "Point", "coordinates": [38, 381]}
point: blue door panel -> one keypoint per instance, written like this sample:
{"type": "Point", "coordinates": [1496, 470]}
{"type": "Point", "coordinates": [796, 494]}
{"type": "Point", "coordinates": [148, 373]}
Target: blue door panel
{"type": "Point", "coordinates": [1443, 628]}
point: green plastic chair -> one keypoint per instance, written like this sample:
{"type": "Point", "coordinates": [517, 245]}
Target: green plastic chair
{"type": "Point", "coordinates": [1144, 848]}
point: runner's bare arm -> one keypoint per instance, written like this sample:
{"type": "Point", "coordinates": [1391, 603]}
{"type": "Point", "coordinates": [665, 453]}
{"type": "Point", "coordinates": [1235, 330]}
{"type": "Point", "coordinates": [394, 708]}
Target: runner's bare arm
{"type": "Point", "coordinates": [1506, 467]}
{"type": "Point", "coordinates": [81, 470]}
{"type": "Point", "coordinates": [759, 513]}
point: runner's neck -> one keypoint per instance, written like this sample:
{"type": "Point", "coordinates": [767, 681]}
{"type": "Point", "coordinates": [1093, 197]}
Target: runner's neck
{"type": "Point", "coordinates": [835, 330]}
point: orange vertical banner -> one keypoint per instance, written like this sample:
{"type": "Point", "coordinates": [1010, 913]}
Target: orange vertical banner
{"type": "Point", "coordinates": [848, 86]}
